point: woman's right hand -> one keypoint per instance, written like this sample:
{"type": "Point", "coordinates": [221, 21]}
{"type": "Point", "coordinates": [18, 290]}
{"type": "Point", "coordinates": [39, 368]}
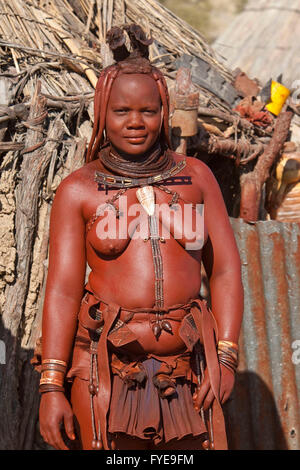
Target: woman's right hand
{"type": "Point", "coordinates": [55, 410]}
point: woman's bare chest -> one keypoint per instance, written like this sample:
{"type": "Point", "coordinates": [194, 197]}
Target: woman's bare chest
{"type": "Point", "coordinates": [116, 218]}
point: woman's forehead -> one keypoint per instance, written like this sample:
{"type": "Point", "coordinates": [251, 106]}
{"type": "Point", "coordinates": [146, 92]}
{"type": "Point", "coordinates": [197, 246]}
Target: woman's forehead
{"type": "Point", "coordinates": [134, 85]}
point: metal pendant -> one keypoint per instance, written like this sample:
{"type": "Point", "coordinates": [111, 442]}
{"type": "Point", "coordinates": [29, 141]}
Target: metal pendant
{"type": "Point", "coordinates": [166, 325]}
{"type": "Point", "coordinates": [97, 444]}
{"type": "Point", "coordinates": [156, 328]}
{"type": "Point", "coordinates": [206, 444]}
{"type": "Point", "coordinates": [146, 198]}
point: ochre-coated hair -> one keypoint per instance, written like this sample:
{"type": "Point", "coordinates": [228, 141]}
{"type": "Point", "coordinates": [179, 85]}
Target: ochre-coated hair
{"type": "Point", "coordinates": [136, 62]}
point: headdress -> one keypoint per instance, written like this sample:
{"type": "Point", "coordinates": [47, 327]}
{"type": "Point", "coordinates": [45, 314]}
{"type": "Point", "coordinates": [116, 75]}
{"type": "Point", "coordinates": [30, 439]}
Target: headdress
{"type": "Point", "coordinates": [134, 62]}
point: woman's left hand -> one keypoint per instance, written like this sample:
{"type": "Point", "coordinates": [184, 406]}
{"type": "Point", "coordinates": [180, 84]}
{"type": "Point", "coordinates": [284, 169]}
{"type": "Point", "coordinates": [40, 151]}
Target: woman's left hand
{"type": "Point", "coordinates": [203, 396]}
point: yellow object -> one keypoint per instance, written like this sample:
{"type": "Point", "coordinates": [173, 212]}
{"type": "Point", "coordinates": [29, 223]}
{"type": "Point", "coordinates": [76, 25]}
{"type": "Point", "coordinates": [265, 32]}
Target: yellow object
{"type": "Point", "coordinates": [279, 95]}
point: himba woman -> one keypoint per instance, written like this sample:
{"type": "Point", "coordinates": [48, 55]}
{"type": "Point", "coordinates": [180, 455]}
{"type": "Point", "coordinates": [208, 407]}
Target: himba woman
{"type": "Point", "coordinates": [150, 364]}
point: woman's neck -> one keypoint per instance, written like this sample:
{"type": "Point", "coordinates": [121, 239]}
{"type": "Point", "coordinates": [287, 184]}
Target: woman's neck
{"type": "Point", "coordinates": [153, 162]}
{"type": "Point", "coordinates": [140, 158]}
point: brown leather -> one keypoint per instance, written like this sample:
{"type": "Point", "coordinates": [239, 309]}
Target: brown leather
{"type": "Point", "coordinates": [103, 397]}
{"type": "Point", "coordinates": [210, 338]}
{"type": "Point", "coordinates": [88, 307]}
{"type": "Point", "coordinates": [131, 371]}
{"type": "Point", "coordinates": [209, 332]}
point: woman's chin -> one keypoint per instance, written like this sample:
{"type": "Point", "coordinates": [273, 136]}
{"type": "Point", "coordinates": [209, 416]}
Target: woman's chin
{"type": "Point", "coordinates": [132, 149]}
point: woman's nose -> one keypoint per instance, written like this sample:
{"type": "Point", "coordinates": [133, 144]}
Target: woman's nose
{"type": "Point", "coordinates": [135, 120]}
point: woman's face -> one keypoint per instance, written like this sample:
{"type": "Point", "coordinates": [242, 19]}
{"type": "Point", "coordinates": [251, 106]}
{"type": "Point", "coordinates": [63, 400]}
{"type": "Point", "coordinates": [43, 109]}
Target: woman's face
{"type": "Point", "coordinates": [133, 118]}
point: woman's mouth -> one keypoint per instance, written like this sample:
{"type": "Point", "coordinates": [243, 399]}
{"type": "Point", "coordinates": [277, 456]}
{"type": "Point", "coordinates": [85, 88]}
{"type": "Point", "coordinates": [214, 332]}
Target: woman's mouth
{"type": "Point", "coordinates": [136, 139]}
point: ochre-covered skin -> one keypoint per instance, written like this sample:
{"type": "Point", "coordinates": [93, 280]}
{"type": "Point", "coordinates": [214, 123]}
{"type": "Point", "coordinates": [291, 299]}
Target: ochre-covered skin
{"type": "Point", "coordinates": [122, 270]}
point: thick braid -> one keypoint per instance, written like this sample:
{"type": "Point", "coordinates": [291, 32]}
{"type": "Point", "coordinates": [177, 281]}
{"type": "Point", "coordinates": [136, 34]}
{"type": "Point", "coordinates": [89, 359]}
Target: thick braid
{"type": "Point", "coordinates": [109, 79]}
{"type": "Point", "coordinates": [97, 99]}
{"type": "Point", "coordinates": [102, 94]}
{"type": "Point", "coordinates": [164, 95]}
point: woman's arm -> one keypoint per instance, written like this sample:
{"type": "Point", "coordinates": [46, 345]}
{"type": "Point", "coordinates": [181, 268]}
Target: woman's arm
{"type": "Point", "coordinates": [66, 272]}
{"type": "Point", "coordinates": [222, 263]}
{"type": "Point", "coordinates": [64, 289]}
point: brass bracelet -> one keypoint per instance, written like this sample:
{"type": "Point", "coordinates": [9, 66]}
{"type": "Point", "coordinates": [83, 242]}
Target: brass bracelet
{"type": "Point", "coordinates": [50, 388]}
{"type": "Point", "coordinates": [53, 375]}
{"type": "Point", "coordinates": [228, 359]}
{"type": "Point", "coordinates": [54, 361]}
{"type": "Point", "coordinates": [229, 352]}
{"type": "Point", "coordinates": [53, 367]}
{"type": "Point", "coordinates": [229, 344]}
{"type": "Point", "coordinates": [228, 365]}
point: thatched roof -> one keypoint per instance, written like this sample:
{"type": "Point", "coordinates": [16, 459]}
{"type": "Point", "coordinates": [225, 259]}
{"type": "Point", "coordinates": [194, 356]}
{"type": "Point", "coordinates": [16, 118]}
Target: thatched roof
{"type": "Point", "coordinates": [264, 40]}
{"type": "Point", "coordinates": [70, 36]}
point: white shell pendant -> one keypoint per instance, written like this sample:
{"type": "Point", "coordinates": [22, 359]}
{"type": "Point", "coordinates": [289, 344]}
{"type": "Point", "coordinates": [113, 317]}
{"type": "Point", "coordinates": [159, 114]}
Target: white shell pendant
{"type": "Point", "coordinates": [146, 198]}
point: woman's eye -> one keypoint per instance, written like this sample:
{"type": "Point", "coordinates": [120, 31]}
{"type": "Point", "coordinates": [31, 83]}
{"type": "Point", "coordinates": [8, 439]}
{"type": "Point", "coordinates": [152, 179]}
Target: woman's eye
{"type": "Point", "coordinates": [120, 111]}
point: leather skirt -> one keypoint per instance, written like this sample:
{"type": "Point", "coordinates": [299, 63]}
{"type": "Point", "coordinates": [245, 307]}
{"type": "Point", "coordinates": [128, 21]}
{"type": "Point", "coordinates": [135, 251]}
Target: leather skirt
{"type": "Point", "coordinates": [148, 397]}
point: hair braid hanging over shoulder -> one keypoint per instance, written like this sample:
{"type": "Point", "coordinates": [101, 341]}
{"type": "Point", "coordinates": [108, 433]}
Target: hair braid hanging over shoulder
{"type": "Point", "coordinates": [134, 62]}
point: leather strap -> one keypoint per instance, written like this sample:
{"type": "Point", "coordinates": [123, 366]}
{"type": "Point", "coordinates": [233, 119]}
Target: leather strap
{"type": "Point", "coordinates": [208, 326]}
{"type": "Point", "coordinates": [84, 316]}
{"type": "Point", "coordinates": [103, 397]}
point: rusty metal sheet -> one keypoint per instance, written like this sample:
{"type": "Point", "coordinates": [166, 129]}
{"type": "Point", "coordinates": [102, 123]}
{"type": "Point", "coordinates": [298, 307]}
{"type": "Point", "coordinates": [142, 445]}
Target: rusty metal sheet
{"type": "Point", "coordinates": [264, 412]}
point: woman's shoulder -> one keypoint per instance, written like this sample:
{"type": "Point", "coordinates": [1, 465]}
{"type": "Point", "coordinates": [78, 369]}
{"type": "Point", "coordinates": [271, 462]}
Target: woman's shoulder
{"type": "Point", "coordinates": [82, 175]}
{"type": "Point", "coordinates": [196, 167]}
{"type": "Point", "coordinates": [77, 184]}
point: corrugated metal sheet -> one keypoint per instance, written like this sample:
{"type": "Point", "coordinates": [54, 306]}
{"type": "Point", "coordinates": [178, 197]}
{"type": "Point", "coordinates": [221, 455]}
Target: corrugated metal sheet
{"type": "Point", "coordinates": [264, 412]}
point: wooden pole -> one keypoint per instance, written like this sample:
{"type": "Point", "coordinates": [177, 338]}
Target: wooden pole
{"type": "Point", "coordinates": [252, 183]}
